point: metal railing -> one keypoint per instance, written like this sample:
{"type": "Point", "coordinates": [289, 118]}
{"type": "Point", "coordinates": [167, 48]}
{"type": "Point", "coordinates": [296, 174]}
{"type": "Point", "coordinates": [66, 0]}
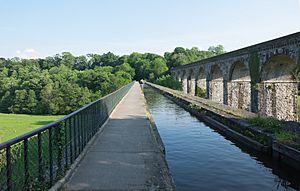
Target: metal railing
{"type": "Point", "coordinates": [38, 159]}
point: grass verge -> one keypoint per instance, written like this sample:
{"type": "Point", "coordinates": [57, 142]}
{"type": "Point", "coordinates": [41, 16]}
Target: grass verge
{"type": "Point", "coordinates": [275, 127]}
{"type": "Point", "coordinates": [13, 125]}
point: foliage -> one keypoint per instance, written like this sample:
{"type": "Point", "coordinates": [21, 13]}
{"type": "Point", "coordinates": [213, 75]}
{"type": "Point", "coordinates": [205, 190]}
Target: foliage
{"type": "Point", "coordinates": [254, 68]}
{"type": "Point", "coordinates": [269, 124]}
{"type": "Point", "coordinates": [200, 92]}
{"type": "Point", "coordinates": [63, 83]}
{"type": "Point", "coordinates": [147, 66]}
{"type": "Point", "coordinates": [170, 82]}
{"type": "Point", "coordinates": [289, 138]}
{"type": "Point", "coordinates": [181, 56]}
{"type": "Point", "coordinates": [217, 50]}
{"type": "Point", "coordinates": [57, 85]}
{"type": "Point", "coordinates": [275, 127]}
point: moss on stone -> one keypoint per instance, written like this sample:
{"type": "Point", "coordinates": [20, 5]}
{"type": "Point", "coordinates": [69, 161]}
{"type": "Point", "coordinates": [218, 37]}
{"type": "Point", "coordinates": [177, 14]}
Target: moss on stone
{"type": "Point", "coordinates": [254, 68]}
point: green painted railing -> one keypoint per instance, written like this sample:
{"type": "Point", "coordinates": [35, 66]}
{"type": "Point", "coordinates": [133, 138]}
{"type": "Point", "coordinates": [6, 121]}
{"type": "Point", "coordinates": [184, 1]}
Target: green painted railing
{"type": "Point", "coordinates": [38, 159]}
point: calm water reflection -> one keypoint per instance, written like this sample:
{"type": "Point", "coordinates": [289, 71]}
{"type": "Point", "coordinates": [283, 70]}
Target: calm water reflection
{"type": "Point", "coordinates": [201, 159]}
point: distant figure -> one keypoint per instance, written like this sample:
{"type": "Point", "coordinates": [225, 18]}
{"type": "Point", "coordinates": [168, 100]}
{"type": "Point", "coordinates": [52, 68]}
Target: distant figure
{"type": "Point", "coordinates": [142, 83]}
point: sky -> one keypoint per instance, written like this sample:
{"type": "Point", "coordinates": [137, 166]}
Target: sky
{"type": "Point", "coordinates": [40, 28]}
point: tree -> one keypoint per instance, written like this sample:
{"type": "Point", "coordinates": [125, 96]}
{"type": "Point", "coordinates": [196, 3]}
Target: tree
{"type": "Point", "coordinates": [81, 63]}
{"type": "Point", "coordinates": [63, 83]}
{"type": "Point", "coordinates": [217, 50]}
{"type": "Point", "coordinates": [109, 59]}
{"type": "Point", "coordinates": [67, 59]}
{"type": "Point", "coordinates": [126, 68]}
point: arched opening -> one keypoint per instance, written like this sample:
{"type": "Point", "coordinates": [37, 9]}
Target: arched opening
{"type": "Point", "coordinates": [216, 85]}
{"type": "Point", "coordinates": [239, 87]}
{"type": "Point", "coordinates": [201, 84]}
{"type": "Point", "coordinates": [191, 82]}
{"type": "Point", "coordinates": [278, 89]}
{"type": "Point", "coordinates": [184, 81]}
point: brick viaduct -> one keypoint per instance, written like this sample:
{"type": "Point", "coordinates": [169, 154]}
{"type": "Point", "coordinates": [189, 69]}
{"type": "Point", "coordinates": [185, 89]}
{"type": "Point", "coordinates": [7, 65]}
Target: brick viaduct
{"type": "Point", "coordinates": [262, 78]}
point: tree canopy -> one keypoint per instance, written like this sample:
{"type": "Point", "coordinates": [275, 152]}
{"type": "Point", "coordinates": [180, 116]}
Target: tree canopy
{"type": "Point", "coordinates": [62, 83]}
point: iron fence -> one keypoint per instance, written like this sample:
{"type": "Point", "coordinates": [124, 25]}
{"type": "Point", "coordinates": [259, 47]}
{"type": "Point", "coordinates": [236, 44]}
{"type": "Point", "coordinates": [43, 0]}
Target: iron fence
{"type": "Point", "coordinates": [38, 159]}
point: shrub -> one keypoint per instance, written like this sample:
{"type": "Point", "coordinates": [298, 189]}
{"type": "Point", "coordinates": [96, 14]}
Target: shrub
{"type": "Point", "coordinates": [170, 82]}
{"type": "Point", "coordinates": [200, 92]}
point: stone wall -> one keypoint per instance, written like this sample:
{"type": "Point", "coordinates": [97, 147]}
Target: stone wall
{"type": "Point", "coordinates": [239, 95]}
{"type": "Point", "coordinates": [278, 100]}
{"type": "Point", "coordinates": [271, 89]}
{"type": "Point", "coordinates": [192, 86]}
{"type": "Point", "coordinates": [216, 90]}
{"type": "Point", "coordinates": [184, 85]}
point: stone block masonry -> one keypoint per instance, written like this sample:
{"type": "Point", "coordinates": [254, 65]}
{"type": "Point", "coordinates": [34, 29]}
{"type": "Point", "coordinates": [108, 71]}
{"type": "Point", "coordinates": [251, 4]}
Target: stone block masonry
{"type": "Point", "coordinates": [262, 78]}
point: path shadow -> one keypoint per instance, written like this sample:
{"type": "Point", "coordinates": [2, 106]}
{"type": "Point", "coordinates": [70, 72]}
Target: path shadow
{"type": "Point", "coordinates": [42, 123]}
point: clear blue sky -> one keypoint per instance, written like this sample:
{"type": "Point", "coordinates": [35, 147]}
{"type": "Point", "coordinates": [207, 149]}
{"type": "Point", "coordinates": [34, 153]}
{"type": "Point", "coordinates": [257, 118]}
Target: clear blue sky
{"type": "Point", "coordinates": [43, 28]}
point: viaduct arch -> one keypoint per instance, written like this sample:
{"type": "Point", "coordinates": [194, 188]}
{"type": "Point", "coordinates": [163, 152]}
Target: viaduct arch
{"type": "Point", "coordinates": [262, 78]}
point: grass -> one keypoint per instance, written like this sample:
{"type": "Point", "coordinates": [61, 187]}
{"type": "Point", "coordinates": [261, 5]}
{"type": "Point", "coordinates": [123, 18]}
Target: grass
{"type": "Point", "coordinates": [275, 127]}
{"type": "Point", "coordinates": [269, 124]}
{"type": "Point", "coordinates": [13, 125]}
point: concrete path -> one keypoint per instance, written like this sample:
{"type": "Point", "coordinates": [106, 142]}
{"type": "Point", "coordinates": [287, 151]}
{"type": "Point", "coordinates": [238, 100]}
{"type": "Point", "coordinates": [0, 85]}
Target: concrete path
{"type": "Point", "coordinates": [125, 155]}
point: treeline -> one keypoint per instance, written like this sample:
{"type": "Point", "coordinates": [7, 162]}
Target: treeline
{"type": "Point", "coordinates": [63, 83]}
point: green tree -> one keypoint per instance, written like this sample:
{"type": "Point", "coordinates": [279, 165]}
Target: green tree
{"type": "Point", "coordinates": [81, 63]}
{"type": "Point", "coordinates": [217, 50]}
{"type": "Point", "coordinates": [67, 59]}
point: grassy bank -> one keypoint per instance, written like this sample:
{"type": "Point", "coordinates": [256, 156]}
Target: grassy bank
{"type": "Point", "coordinates": [276, 128]}
{"type": "Point", "coordinates": [12, 125]}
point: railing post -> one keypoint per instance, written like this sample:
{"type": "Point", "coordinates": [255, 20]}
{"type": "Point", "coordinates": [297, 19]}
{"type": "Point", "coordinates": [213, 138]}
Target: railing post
{"type": "Point", "coordinates": [75, 137]}
{"type": "Point", "coordinates": [66, 144]}
{"type": "Point", "coordinates": [94, 119]}
{"type": "Point", "coordinates": [79, 133]}
{"type": "Point", "coordinates": [89, 122]}
{"type": "Point", "coordinates": [71, 141]}
{"type": "Point", "coordinates": [8, 169]}
{"type": "Point", "coordinates": [26, 172]}
{"type": "Point", "coordinates": [50, 156]}
{"type": "Point", "coordinates": [82, 131]}
{"type": "Point", "coordinates": [40, 158]}
{"type": "Point", "coordinates": [84, 128]}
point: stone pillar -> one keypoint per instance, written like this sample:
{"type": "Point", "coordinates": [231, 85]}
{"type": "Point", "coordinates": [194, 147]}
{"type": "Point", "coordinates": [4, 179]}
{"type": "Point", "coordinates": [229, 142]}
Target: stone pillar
{"type": "Point", "coordinates": [254, 98]}
{"type": "Point", "coordinates": [208, 89]}
{"type": "Point", "coordinates": [217, 92]}
{"type": "Point", "coordinates": [279, 100]}
{"type": "Point", "coordinates": [192, 86]}
{"type": "Point", "coordinates": [225, 92]}
{"type": "Point", "coordinates": [239, 94]}
{"type": "Point", "coordinates": [184, 84]}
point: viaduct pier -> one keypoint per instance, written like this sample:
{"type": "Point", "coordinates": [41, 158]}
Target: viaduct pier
{"type": "Point", "coordinates": [262, 78]}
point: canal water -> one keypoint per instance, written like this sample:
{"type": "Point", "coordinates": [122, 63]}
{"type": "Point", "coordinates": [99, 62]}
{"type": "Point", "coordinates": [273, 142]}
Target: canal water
{"type": "Point", "coordinates": [200, 158]}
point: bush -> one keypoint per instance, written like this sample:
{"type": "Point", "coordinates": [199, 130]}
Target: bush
{"type": "Point", "coordinates": [170, 82]}
{"type": "Point", "coordinates": [269, 124]}
{"type": "Point", "coordinates": [200, 92]}
{"type": "Point", "coordinates": [275, 127]}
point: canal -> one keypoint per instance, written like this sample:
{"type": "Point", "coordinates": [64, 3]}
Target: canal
{"type": "Point", "coordinates": [200, 158]}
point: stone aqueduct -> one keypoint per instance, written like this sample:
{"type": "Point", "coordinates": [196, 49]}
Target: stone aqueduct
{"type": "Point", "coordinates": [262, 78]}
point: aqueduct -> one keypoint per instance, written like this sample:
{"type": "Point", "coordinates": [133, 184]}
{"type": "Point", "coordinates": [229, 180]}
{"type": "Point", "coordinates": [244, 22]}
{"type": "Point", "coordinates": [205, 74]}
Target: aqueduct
{"type": "Point", "coordinates": [262, 78]}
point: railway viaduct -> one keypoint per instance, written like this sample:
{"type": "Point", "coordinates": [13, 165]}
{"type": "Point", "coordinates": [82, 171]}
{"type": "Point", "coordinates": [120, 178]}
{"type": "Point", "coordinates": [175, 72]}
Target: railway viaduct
{"type": "Point", "coordinates": [262, 78]}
